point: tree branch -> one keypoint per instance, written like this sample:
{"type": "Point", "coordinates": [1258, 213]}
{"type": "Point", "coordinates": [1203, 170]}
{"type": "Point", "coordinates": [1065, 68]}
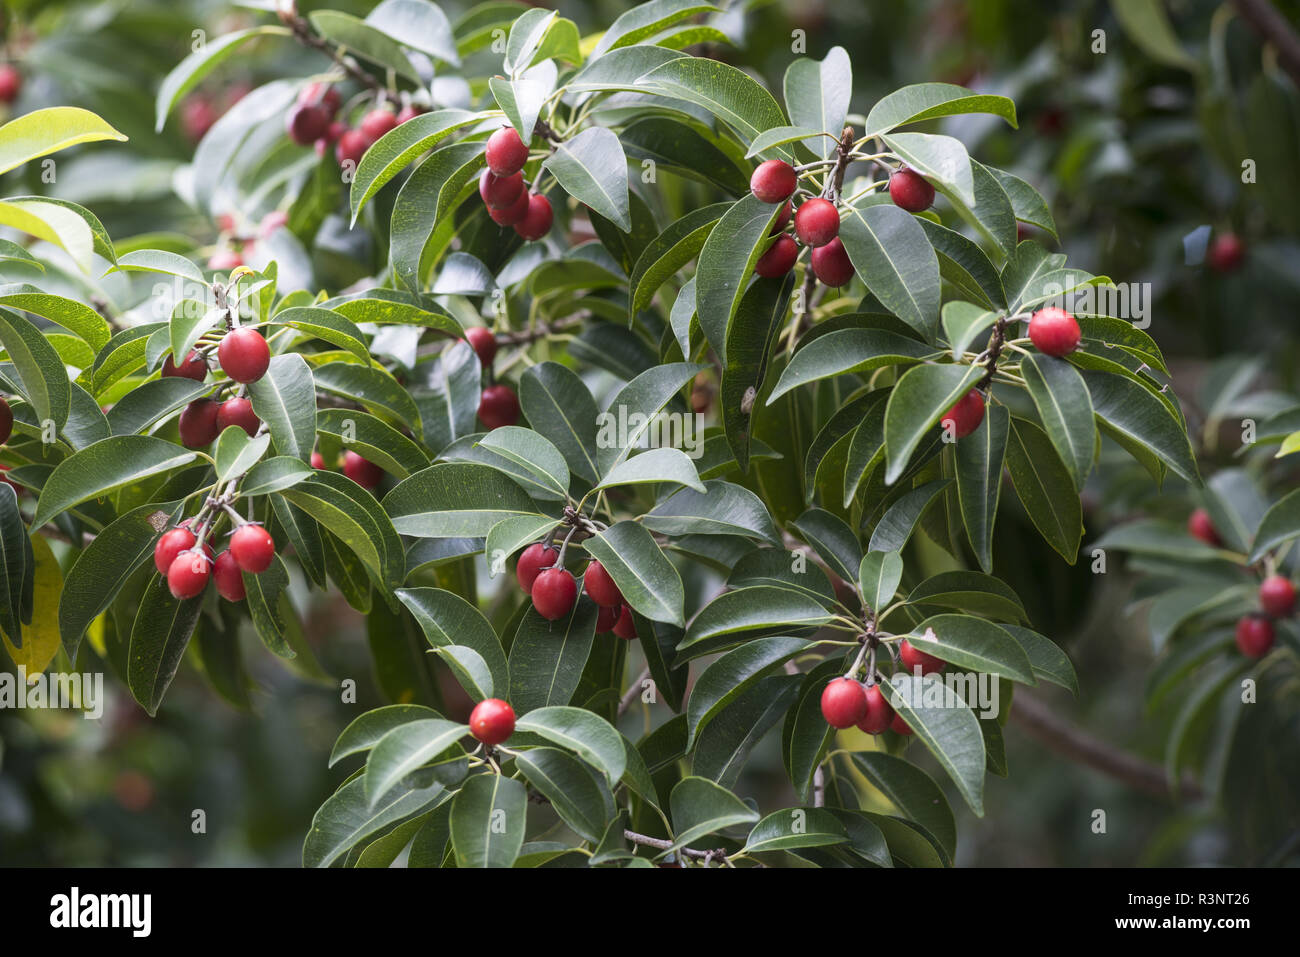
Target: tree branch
{"type": "Point", "coordinates": [1038, 720]}
{"type": "Point", "coordinates": [1274, 30]}
{"type": "Point", "coordinates": [633, 691]}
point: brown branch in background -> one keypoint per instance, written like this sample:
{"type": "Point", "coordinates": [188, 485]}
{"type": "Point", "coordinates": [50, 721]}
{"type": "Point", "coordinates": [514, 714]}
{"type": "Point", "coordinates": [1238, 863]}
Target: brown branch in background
{"type": "Point", "coordinates": [1038, 720]}
{"type": "Point", "coordinates": [1274, 30]}
{"type": "Point", "coordinates": [302, 32]}
{"type": "Point", "coordinates": [663, 845]}
{"type": "Point", "coordinates": [634, 690]}
{"type": "Point", "coordinates": [541, 330]}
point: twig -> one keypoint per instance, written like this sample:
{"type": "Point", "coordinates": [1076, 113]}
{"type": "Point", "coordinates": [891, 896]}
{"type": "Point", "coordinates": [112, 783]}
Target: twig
{"type": "Point", "coordinates": [664, 845]}
{"type": "Point", "coordinates": [1274, 30]}
{"type": "Point", "coordinates": [1039, 721]}
{"type": "Point", "coordinates": [302, 32]}
{"type": "Point", "coordinates": [633, 691]}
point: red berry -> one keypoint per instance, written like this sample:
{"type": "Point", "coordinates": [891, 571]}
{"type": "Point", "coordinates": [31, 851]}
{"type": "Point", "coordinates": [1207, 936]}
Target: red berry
{"type": "Point", "coordinates": [899, 725]}
{"type": "Point", "coordinates": [225, 259]}
{"type": "Point", "coordinates": [11, 81]}
{"type": "Point", "coordinates": [605, 620]}
{"type": "Point", "coordinates": [334, 134]}
{"type": "Point", "coordinates": [307, 124]}
{"type": "Point", "coordinates": [197, 116]}
{"type": "Point", "coordinates": [910, 191]}
{"type": "Point", "coordinates": [244, 354]}
{"type": "Point", "coordinates": [506, 152]}
{"type": "Point", "coordinates": [830, 263]}
{"type": "Point", "coordinates": [914, 658]}
{"type": "Point", "coordinates": [966, 414]}
{"type": "Point", "coordinates": [782, 218]}
{"type": "Point", "coordinates": [1200, 526]}
{"type": "Point", "coordinates": [1254, 636]}
{"type": "Point", "coordinates": [321, 94]}
{"type": "Point", "coordinates": [554, 591]}
{"type": "Point", "coordinates": [351, 146]}
{"type": "Point", "coordinates": [779, 258]}
{"type": "Point", "coordinates": [252, 547]}
{"type": "Point", "coordinates": [170, 544]}
{"type": "Point", "coordinates": [1277, 596]}
{"type": "Point", "coordinates": [1226, 253]}
{"type": "Point", "coordinates": [492, 721]}
{"type": "Point", "coordinates": [378, 122]}
{"type": "Point", "coordinates": [878, 714]}
{"type": "Point", "coordinates": [531, 562]}
{"type": "Point", "coordinates": [194, 367]}
{"type": "Point", "coordinates": [498, 406]}
{"type": "Point", "coordinates": [6, 421]}
{"type": "Point", "coordinates": [537, 221]}
{"type": "Point", "coordinates": [409, 112]}
{"type": "Point", "coordinates": [188, 574]}
{"type": "Point", "coordinates": [500, 192]}
{"type": "Point", "coordinates": [198, 424]}
{"type": "Point", "coordinates": [625, 627]}
{"type": "Point", "coordinates": [514, 213]}
{"type": "Point", "coordinates": [1054, 331]}
{"type": "Point", "coordinates": [317, 460]}
{"type": "Point", "coordinates": [844, 703]}
{"type": "Point", "coordinates": [229, 579]}
{"type": "Point", "coordinates": [483, 342]}
{"type": "Point", "coordinates": [362, 471]}
{"type": "Point", "coordinates": [600, 587]}
{"type": "Point", "coordinates": [774, 181]}
{"type": "Point", "coordinates": [817, 222]}
{"type": "Point", "coordinates": [237, 411]}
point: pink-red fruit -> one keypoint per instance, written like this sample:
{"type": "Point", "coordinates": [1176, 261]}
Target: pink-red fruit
{"type": "Point", "coordinates": [878, 714]}
{"type": "Point", "coordinates": [817, 222]}
{"type": "Point", "coordinates": [844, 703]}
{"type": "Point", "coordinates": [965, 415]}
{"type": "Point", "coordinates": [351, 146]}
{"type": "Point", "coordinates": [531, 562]}
{"type": "Point", "coordinates": [11, 82]}
{"type": "Point", "coordinates": [500, 192]}
{"type": "Point", "coordinates": [1054, 332]}
{"type": "Point", "coordinates": [1254, 636]}
{"type": "Point", "coordinates": [6, 421]}
{"type": "Point", "coordinates": [506, 152]}
{"type": "Point", "coordinates": [228, 578]}
{"type": "Point", "coordinates": [237, 411]}
{"type": "Point", "coordinates": [913, 658]}
{"type": "Point", "coordinates": [483, 342]}
{"type": "Point", "coordinates": [779, 258]}
{"type": "Point", "coordinates": [1226, 253]}
{"type": "Point", "coordinates": [492, 721]}
{"type": "Point", "coordinates": [774, 181]}
{"type": "Point", "coordinates": [252, 547]}
{"type": "Point", "coordinates": [244, 354]}
{"type": "Point", "coordinates": [600, 587]}
{"type": "Point", "coordinates": [194, 367]}
{"type": "Point", "coordinates": [514, 213]}
{"type": "Point", "coordinates": [625, 627]}
{"type": "Point", "coordinates": [362, 471]}
{"type": "Point", "coordinates": [198, 423]}
{"type": "Point", "coordinates": [378, 122]}
{"type": "Point", "coordinates": [1201, 527]}
{"type": "Point", "coordinates": [831, 264]}
{"type": "Point", "coordinates": [188, 574]}
{"type": "Point", "coordinates": [537, 221]}
{"type": "Point", "coordinates": [170, 544]}
{"type": "Point", "coordinates": [910, 191]}
{"type": "Point", "coordinates": [554, 591]}
{"type": "Point", "coordinates": [1277, 596]}
{"type": "Point", "coordinates": [498, 406]}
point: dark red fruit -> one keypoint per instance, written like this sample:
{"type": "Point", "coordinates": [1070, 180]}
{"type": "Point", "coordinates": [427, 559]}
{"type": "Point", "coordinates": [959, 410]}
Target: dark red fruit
{"type": "Point", "coordinates": [1254, 636]}
{"type": "Point", "coordinates": [237, 411]}
{"type": "Point", "coordinates": [506, 152]}
{"type": "Point", "coordinates": [307, 124]}
{"type": "Point", "coordinates": [498, 406]}
{"type": "Point", "coordinates": [194, 367]}
{"type": "Point", "coordinates": [605, 619]}
{"type": "Point", "coordinates": [531, 562]}
{"type": "Point", "coordinates": [910, 191]}
{"type": "Point", "coordinates": [878, 714]}
{"type": "Point", "coordinates": [6, 421]}
{"type": "Point", "coordinates": [966, 414]}
{"type": "Point", "coordinates": [830, 263]}
{"type": "Point", "coordinates": [483, 342]}
{"type": "Point", "coordinates": [817, 222]}
{"type": "Point", "coordinates": [351, 146]}
{"type": "Point", "coordinates": [188, 574]}
{"type": "Point", "coordinates": [228, 578]}
{"type": "Point", "coordinates": [537, 221]}
{"type": "Point", "coordinates": [378, 122]}
{"type": "Point", "coordinates": [1226, 253]}
{"type": "Point", "coordinates": [774, 181]}
{"type": "Point", "coordinates": [844, 703]}
{"type": "Point", "coordinates": [252, 547]}
{"type": "Point", "coordinates": [625, 627]}
{"type": "Point", "coordinates": [1054, 331]}
{"type": "Point", "coordinates": [1200, 526]}
{"type": "Point", "coordinates": [554, 591]}
{"type": "Point", "coordinates": [500, 192]}
{"type": "Point", "coordinates": [1277, 596]}
{"type": "Point", "coordinates": [198, 424]}
{"type": "Point", "coordinates": [11, 82]}
{"type": "Point", "coordinates": [244, 354]}
{"type": "Point", "coordinates": [913, 658]}
{"type": "Point", "coordinates": [600, 587]}
{"type": "Point", "coordinates": [492, 721]}
{"type": "Point", "coordinates": [899, 725]}
{"type": "Point", "coordinates": [512, 214]}
{"type": "Point", "coordinates": [321, 94]}
{"type": "Point", "coordinates": [170, 544]}
{"type": "Point", "coordinates": [362, 471]}
{"type": "Point", "coordinates": [782, 218]}
{"type": "Point", "coordinates": [779, 258]}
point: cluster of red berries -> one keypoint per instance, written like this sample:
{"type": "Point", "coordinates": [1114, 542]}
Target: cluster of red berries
{"type": "Point", "coordinates": [11, 82]}
{"type": "Point", "coordinates": [188, 568]}
{"type": "Point", "coordinates": [497, 405]}
{"type": "Point", "coordinates": [313, 121]}
{"type": "Point", "coordinates": [554, 590]}
{"type": "Point", "coordinates": [816, 223]}
{"type": "Point", "coordinates": [244, 356]}
{"type": "Point", "coordinates": [1277, 596]}
{"type": "Point", "coordinates": [847, 701]}
{"type": "Point", "coordinates": [503, 190]}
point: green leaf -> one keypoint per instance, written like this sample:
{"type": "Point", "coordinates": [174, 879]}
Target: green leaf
{"type": "Point", "coordinates": [547, 658]}
{"type": "Point", "coordinates": [1146, 23]}
{"type": "Point", "coordinates": [367, 729]}
{"type": "Point", "coordinates": [632, 412]}
{"type": "Point", "coordinates": [1027, 203]}
{"type": "Point", "coordinates": [991, 215]}
{"type": "Point", "coordinates": [417, 24]}
{"type": "Point", "coordinates": [236, 452]}
{"type": "Point", "coordinates": [202, 61]}
{"type": "Point", "coordinates": [964, 264]}
{"type": "Point", "coordinates": [913, 792]}
{"type": "Point", "coordinates": [640, 569]}
{"type": "Point", "coordinates": [587, 735]}
{"type": "Point", "coordinates": [274, 475]}
{"type": "Point", "coordinates": [560, 407]}
{"type": "Point", "coordinates": [979, 460]}
{"type": "Point", "coordinates": [327, 325]}
{"type": "Point", "coordinates": [405, 748]}
{"type": "Point", "coordinates": [833, 539]}
{"type": "Point", "coordinates": [455, 500]}
{"type": "Point", "coordinates": [699, 807]}
{"type": "Point", "coordinates": [1045, 488]}
{"type": "Point", "coordinates": [373, 439]}
{"type": "Point", "coordinates": [416, 221]}
{"type": "Point", "coordinates": [727, 677]}
{"type": "Point", "coordinates": [795, 828]}
{"type": "Point", "coordinates": [488, 818]}
{"type": "Point", "coordinates": [725, 91]}
{"type": "Point", "coordinates": [668, 252]}
{"type": "Point", "coordinates": [749, 345]}
{"type": "Point", "coordinates": [918, 401]}
{"type": "Point", "coordinates": [17, 567]}
{"type": "Point", "coordinates": [942, 159]}
{"type": "Point", "coordinates": [723, 509]}
{"type": "Point", "coordinates": [899, 521]}
{"type": "Point", "coordinates": [539, 457]}
{"type": "Point", "coordinates": [1065, 407]}
{"type": "Point", "coordinates": [161, 261]}
{"type": "Point", "coordinates": [848, 351]}
{"type": "Point", "coordinates": [470, 670]}
{"type": "Point", "coordinates": [363, 40]}
{"type": "Point", "coordinates": [159, 636]}
{"type": "Point", "coordinates": [727, 261]}
{"type": "Point", "coordinates": [41, 132]}
{"type": "Point", "coordinates": [1136, 414]}
{"type": "Point", "coordinates": [680, 147]}
{"type": "Point", "coordinates": [975, 592]}
{"type": "Point", "coordinates": [353, 515]}
{"type": "Point", "coordinates": [725, 744]}
{"type": "Point", "coordinates": [725, 620]}
{"type": "Point", "coordinates": [805, 735]}
{"type": "Point", "coordinates": [1048, 661]}
{"type": "Point", "coordinates": [285, 399]}
{"type": "Point", "coordinates": [925, 101]}
{"type": "Point", "coordinates": [592, 169]}
{"type": "Point", "coordinates": [962, 322]}
{"type": "Point", "coordinates": [779, 136]}
{"type": "Point", "coordinates": [42, 377]}
{"type": "Point", "coordinates": [644, 21]}
{"type": "Point", "coordinates": [1280, 524]}
{"type": "Point", "coordinates": [817, 94]}
{"type": "Point", "coordinates": [106, 465]}
{"type": "Point", "coordinates": [346, 819]}
{"type": "Point", "coordinates": [526, 35]}
{"type": "Point", "coordinates": [399, 147]}
{"type": "Point", "coordinates": [879, 577]}
{"type": "Point", "coordinates": [939, 717]}
{"type": "Point", "coordinates": [974, 644]}
{"type": "Point", "coordinates": [76, 317]}
{"type": "Point", "coordinates": [890, 252]}
{"type": "Point", "coordinates": [521, 98]}
{"type": "Point", "coordinates": [577, 796]}
{"type": "Point", "coordinates": [448, 620]}
{"type": "Point", "coordinates": [651, 466]}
